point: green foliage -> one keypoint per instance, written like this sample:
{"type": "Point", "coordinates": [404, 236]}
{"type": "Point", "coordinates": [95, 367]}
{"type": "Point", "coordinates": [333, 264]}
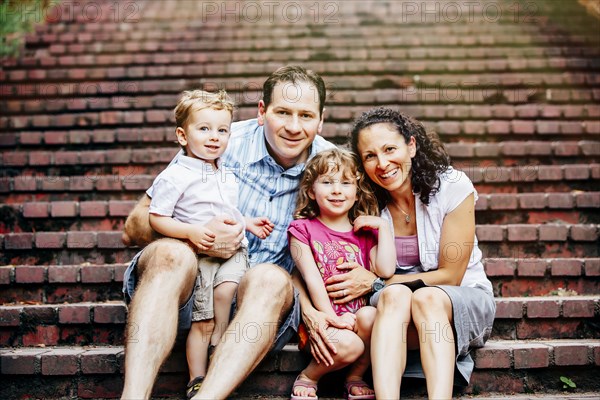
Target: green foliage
{"type": "Point", "coordinates": [16, 19]}
{"type": "Point", "coordinates": [567, 383]}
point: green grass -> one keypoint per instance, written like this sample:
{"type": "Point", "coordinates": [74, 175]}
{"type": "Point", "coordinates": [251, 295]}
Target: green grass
{"type": "Point", "coordinates": [17, 19]}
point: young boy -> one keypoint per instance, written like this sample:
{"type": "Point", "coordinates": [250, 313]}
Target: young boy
{"type": "Point", "coordinates": [187, 194]}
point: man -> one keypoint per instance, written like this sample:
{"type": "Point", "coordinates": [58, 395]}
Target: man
{"type": "Point", "coordinates": [268, 156]}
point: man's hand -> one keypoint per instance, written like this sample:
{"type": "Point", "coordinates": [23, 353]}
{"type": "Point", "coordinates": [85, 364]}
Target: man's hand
{"type": "Point", "coordinates": [228, 236]}
{"type": "Point", "coordinates": [350, 285]}
{"type": "Point", "coordinates": [321, 339]}
{"type": "Point", "coordinates": [260, 227]}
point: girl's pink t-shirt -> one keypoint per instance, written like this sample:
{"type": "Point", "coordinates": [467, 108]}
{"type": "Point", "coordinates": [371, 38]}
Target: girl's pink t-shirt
{"type": "Point", "coordinates": [331, 248]}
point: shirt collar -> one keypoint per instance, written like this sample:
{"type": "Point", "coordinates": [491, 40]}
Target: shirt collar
{"type": "Point", "coordinates": [196, 164]}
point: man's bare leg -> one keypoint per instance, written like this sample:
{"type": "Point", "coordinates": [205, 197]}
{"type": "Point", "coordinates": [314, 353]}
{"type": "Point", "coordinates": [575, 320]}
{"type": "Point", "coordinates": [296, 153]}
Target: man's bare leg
{"type": "Point", "coordinates": [264, 297]}
{"type": "Point", "coordinates": [167, 270]}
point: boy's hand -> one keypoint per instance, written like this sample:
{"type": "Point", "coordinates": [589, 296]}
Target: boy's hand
{"type": "Point", "coordinates": [260, 227]}
{"type": "Point", "coordinates": [201, 237]}
{"type": "Point", "coordinates": [369, 221]}
{"type": "Point", "coordinates": [349, 319]}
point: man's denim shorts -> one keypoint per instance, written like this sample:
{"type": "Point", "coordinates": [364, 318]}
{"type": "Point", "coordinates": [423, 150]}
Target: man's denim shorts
{"type": "Point", "coordinates": [286, 331]}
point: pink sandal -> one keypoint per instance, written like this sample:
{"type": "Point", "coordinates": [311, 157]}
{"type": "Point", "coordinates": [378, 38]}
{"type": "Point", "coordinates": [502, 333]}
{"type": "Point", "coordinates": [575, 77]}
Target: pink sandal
{"type": "Point", "coordinates": [348, 386]}
{"type": "Point", "coordinates": [299, 382]}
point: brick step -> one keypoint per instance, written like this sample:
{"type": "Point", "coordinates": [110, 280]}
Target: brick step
{"type": "Point", "coordinates": [523, 120]}
{"type": "Point", "coordinates": [50, 284]}
{"type": "Point", "coordinates": [513, 240]}
{"type": "Point", "coordinates": [504, 153]}
{"type": "Point", "coordinates": [92, 372]}
{"type": "Point", "coordinates": [137, 62]}
{"type": "Point", "coordinates": [91, 323]}
{"type": "Point", "coordinates": [126, 181]}
{"type": "Point", "coordinates": [490, 72]}
{"type": "Point", "coordinates": [100, 215]}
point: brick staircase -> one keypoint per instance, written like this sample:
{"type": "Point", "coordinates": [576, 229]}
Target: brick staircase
{"type": "Point", "coordinates": [86, 123]}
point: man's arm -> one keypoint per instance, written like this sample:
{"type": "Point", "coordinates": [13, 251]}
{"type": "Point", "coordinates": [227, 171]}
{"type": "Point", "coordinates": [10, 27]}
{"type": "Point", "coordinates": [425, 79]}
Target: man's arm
{"type": "Point", "coordinates": [228, 233]}
{"type": "Point", "coordinates": [137, 227]}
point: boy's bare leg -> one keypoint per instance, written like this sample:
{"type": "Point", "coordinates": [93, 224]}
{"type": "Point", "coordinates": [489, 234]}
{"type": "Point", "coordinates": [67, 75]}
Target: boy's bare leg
{"type": "Point", "coordinates": [196, 349]}
{"type": "Point", "coordinates": [223, 295]}
{"type": "Point", "coordinates": [264, 297]}
{"type": "Point", "coordinates": [167, 270]}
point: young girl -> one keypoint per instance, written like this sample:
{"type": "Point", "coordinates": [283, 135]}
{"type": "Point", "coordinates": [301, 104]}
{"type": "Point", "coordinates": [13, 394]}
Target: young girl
{"type": "Point", "coordinates": [335, 223]}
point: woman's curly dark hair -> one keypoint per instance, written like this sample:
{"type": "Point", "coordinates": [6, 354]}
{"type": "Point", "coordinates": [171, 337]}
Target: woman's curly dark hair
{"type": "Point", "coordinates": [431, 159]}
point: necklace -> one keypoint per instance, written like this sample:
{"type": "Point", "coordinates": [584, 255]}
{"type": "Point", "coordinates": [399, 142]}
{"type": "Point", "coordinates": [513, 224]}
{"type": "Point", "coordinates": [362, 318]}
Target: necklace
{"type": "Point", "coordinates": [406, 215]}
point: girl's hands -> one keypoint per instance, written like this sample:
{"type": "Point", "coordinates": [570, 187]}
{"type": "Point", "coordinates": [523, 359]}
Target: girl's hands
{"type": "Point", "coordinates": [349, 319]}
{"type": "Point", "coordinates": [370, 222]}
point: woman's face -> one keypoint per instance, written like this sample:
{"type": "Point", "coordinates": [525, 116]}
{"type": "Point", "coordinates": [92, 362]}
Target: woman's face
{"type": "Point", "coordinates": [386, 157]}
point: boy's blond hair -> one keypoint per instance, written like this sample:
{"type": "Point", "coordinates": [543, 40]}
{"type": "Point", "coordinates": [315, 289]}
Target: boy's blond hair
{"type": "Point", "coordinates": [194, 100]}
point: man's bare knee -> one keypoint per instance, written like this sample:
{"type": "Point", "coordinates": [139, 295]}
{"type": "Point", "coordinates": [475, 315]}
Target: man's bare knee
{"type": "Point", "coordinates": [268, 282]}
{"type": "Point", "coordinates": [167, 255]}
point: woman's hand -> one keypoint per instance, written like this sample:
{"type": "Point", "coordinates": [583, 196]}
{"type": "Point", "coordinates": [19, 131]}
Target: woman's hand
{"type": "Point", "coordinates": [350, 285]}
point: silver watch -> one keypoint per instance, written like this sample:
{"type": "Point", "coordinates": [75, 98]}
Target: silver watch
{"type": "Point", "coordinates": [377, 285]}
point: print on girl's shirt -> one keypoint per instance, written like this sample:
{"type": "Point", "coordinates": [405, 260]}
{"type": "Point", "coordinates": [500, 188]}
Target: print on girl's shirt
{"type": "Point", "coordinates": [328, 256]}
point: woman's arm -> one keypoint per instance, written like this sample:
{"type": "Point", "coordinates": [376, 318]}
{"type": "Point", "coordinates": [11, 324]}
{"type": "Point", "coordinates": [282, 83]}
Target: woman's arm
{"type": "Point", "coordinates": [383, 256]}
{"type": "Point", "coordinates": [456, 246]}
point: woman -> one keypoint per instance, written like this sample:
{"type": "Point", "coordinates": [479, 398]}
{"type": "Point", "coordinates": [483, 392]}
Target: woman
{"type": "Point", "coordinates": [440, 300]}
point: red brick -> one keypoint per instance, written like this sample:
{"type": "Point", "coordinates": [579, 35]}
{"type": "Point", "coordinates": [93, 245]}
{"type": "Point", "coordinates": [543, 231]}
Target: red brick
{"type": "Point", "coordinates": [532, 267]}
{"type": "Point", "coordinates": [81, 184]}
{"type": "Point", "coordinates": [61, 362]}
{"type": "Point", "coordinates": [474, 128]}
{"type": "Point", "coordinates": [595, 170]}
{"type": "Point", "coordinates": [6, 273]}
{"type": "Point", "coordinates": [92, 209]}
{"type": "Point", "coordinates": [523, 127]}
{"type": "Point", "coordinates": [498, 127]}
{"type": "Point", "coordinates": [584, 233]}
{"type": "Point", "coordinates": [573, 308]}
{"type": "Point", "coordinates": [119, 272]}
{"type": "Point", "coordinates": [40, 158]}
{"type": "Point", "coordinates": [596, 355]}
{"type": "Point", "coordinates": [100, 361]}
{"type": "Point", "coordinates": [548, 127]}
{"type": "Point", "coordinates": [570, 354]}
{"type": "Point", "coordinates": [103, 136]}
{"type": "Point", "coordinates": [66, 158]}
{"type": "Point", "coordinates": [576, 172]}
{"type": "Point", "coordinates": [514, 148]}
{"type": "Point", "coordinates": [495, 174]}
{"type": "Point", "coordinates": [134, 117]}
{"type": "Point", "coordinates": [522, 233]}
{"type": "Point", "coordinates": [565, 149]}
{"type": "Point", "coordinates": [120, 208]}
{"type": "Point", "coordinates": [589, 148]}
{"type": "Point", "coordinates": [565, 267]}
{"type": "Point", "coordinates": [22, 361]}
{"type": "Point", "coordinates": [43, 314]}
{"type": "Point", "coordinates": [118, 157]}
{"type": "Point", "coordinates": [30, 138]}
{"type": "Point", "coordinates": [30, 274]}
{"type": "Point", "coordinates": [492, 356]}
{"type": "Point", "coordinates": [110, 240]}
{"type": "Point", "coordinates": [509, 309]}
{"type": "Point", "coordinates": [487, 149]}
{"type": "Point", "coordinates": [50, 240]}
{"type": "Point", "coordinates": [63, 209]}
{"type": "Point", "coordinates": [503, 202]}
{"type": "Point", "coordinates": [137, 182]}
{"type": "Point", "coordinates": [543, 308]}
{"type": "Point", "coordinates": [482, 203]}
{"type": "Point", "coordinates": [560, 200]}
{"type": "Point", "coordinates": [25, 184]}
{"type": "Point", "coordinates": [550, 173]}
{"type": "Point", "coordinates": [81, 240]}
{"type": "Point", "coordinates": [592, 127]}
{"type": "Point", "coordinates": [18, 241]}
{"type": "Point", "coordinates": [553, 232]}
{"type": "Point", "coordinates": [35, 210]}
{"type": "Point", "coordinates": [532, 200]}
{"type": "Point", "coordinates": [592, 267]}
{"type": "Point", "coordinates": [500, 267]}
{"type": "Point", "coordinates": [10, 316]}
{"type": "Point", "coordinates": [54, 183]}
{"type": "Point", "coordinates": [46, 335]}
{"type": "Point", "coordinates": [93, 157]}
{"type": "Point", "coordinates": [74, 314]}
{"type": "Point", "coordinates": [108, 183]}
{"type": "Point", "coordinates": [536, 148]}
{"type": "Point", "coordinates": [63, 274]}
{"type": "Point", "coordinates": [97, 274]}
{"type": "Point", "coordinates": [460, 150]}
{"type": "Point", "coordinates": [110, 314]}
{"type": "Point", "coordinates": [531, 355]}
{"type": "Point", "coordinates": [79, 137]}
{"type": "Point", "coordinates": [571, 128]}
{"type": "Point", "coordinates": [15, 159]}
{"type": "Point", "coordinates": [490, 233]}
